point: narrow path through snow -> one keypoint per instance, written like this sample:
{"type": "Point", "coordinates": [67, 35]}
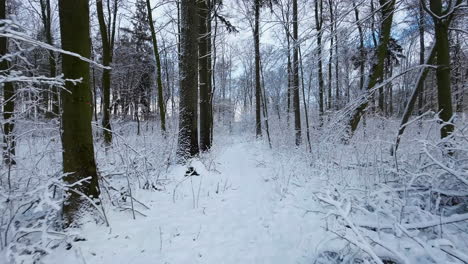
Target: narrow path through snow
{"type": "Point", "coordinates": [240, 217]}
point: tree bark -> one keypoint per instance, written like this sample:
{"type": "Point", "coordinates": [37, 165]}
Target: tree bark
{"type": "Point", "coordinates": [330, 58]}
{"type": "Point", "coordinates": [258, 89]}
{"type": "Point", "coordinates": [376, 75]}
{"type": "Point", "coordinates": [318, 27]}
{"type": "Point", "coordinates": [9, 142]}
{"type": "Point", "coordinates": [188, 74]}
{"type": "Point", "coordinates": [77, 137]}
{"type": "Point", "coordinates": [204, 77]}
{"type": "Point", "coordinates": [361, 47]}
{"type": "Point", "coordinates": [421, 27]}
{"type": "Point", "coordinates": [162, 107]}
{"type": "Point", "coordinates": [295, 68]}
{"type": "Point", "coordinates": [442, 45]}
{"type": "Point", "coordinates": [46, 14]}
{"type": "Point", "coordinates": [106, 73]}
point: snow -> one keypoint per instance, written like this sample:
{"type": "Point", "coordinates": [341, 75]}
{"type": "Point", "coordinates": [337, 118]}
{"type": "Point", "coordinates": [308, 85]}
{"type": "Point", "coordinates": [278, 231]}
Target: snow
{"type": "Point", "coordinates": [236, 212]}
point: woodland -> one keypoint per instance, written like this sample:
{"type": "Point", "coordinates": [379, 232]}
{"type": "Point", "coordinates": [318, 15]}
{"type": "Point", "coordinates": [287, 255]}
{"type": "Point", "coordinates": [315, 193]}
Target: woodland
{"type": "Point", "coordinates": [234, 131]}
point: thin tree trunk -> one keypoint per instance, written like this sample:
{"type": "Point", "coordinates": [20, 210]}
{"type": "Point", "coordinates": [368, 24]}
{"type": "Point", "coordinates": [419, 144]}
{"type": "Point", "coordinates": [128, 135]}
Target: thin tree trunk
{"type": "Point", "coordinates": [47, 23]}
{"type": "Point", "coordinates": [211, 45]}
{"type": "Point", "coordinates": [77, 137]}
{"type": "Point", "coordinates": [337, 81]}
{"type": "Point", "coordinates": [318, 27]}
{"type": "Point", "coordinates": [306, 111]}
{"type": "Point", "coordinates": [295, 86]}
{"type": "Point", "coordinates": [361, 47]}
{"type": "Point", "coordinates": [106, 74]}
{"type": "Point", "coordinates": [416, 92]}
{"type": "Point", "coordinates": [421, 27]}
{"type": "Point", "coordinates": [265, 108]}
{"type": "Point", "coordinates": [162, 108]}
{"type": "Point", "coordinates": [330, 58]}
{"type": "Point", "coordinates": [258, 89]}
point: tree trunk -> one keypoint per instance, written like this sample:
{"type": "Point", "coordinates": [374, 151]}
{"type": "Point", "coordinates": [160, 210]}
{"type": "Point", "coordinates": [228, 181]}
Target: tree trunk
{"type": "Point", "coordinates": [295, 86]}
{"type": "Point", "coordinates": [330, 58]}
{"type": "Point", "coordinates": [77, 137]}
{"type": "Point", "coordinates": [106, 74]}
{"type": "Point", "coordinates": [412, 101]}
{"type": "Point", "coordinates": [444, 92]}
{"type": "Point", "coordinates": [421, 27]}
{"type": "Point", "coordinates": [162, 108]}
{"type": "Point", "coordinates": [188, 74]}
{"type": "Point", "coordinates": [46, 15]}
{"type": "Point", "coordinates": [361, 48]}
{"type": "Point", "coordinates": [204, 76]}
{"type": "Point", "coordinates": [376, 75]}
{"type": "Point", "coordinates": [318, 27]}
{"type": "Point", "coordinates": [9, 142]}
{"type": "Point", "coordinates": [258, 89]}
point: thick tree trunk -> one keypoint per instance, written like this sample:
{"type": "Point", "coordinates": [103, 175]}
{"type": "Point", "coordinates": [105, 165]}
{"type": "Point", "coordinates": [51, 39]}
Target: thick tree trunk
{"type": "Point", "coordinates": [258, 89]}
{"type": "Point", "coordinates": [77, 137]}
{"type": "Point", "coordinates": [295, 77]}
{"type": "Point", "coordinates": [8, 100]}
{"type": "Point", "coordinates": [444, 92]}
{"type": "Point", "coordinates": [376, 75]}
{"type": "Point", "coordinates": [204, 76]}
{"type": "Point", "coordinates": [162, 107]}
{"type": "Point", "coordinates": [188, 74]}
{"type": "Point", "coordinates": [106, 74]}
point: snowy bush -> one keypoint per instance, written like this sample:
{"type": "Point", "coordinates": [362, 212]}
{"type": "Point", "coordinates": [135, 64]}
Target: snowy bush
{"type": "Point", "coordinates": [416, 213]}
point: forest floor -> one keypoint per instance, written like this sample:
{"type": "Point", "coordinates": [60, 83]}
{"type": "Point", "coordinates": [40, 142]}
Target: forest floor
{"type": "Point", "coordinates": [247, 206]}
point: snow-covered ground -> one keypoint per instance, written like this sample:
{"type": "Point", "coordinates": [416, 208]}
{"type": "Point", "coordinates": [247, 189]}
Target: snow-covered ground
{"type": "Point", "coordinates": [341, 203]}
{"type": "Point", "coordinates": [238, 210]}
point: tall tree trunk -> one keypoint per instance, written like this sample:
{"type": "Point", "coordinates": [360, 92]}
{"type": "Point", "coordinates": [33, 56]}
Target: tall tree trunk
{"type": "Point", "coordinates": [361, 47]}
{"type": "Point", "coordinates": [162, 108]}
{"type": "Point", "coordinates": [106, 73]}
{"type": "Point", "coordinates": [77, 137]}
{"type": "Point", "coordinates": [376, 75]}
{"type": "Point", "coordinates": [416, 92]}
{"type": "Point", "coordinates": [306, 111]}
{"type": "Point", "coordinates": [211, 60]}
{"type": "Point", "coordinates": [265, 108]}
{"type": "Point", "coordinates": [330, 58]}
{"type": "Point", "coordinates": [204, 76]}
{"type": "Point", "coordinates": [9, 142]}
{"type": "Point", "coordinates": [188, 74]}
{"type": "Point", "coordinates": [318, 27]}
{"type": "Point", "coordinates": [258, 89]}
{"type": "Point", "coordinates": [46, 15]}
{"type": "Point", "coordinates": [421, 27]}
{"type": "Point", "coordinates": [287, 33]}
{"type": "Point", "coordinates": [444, 92]}
{"type": "Point", "coordinates": [295, 86]}
{"type": "Point", "coordinates": [337, 81]}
